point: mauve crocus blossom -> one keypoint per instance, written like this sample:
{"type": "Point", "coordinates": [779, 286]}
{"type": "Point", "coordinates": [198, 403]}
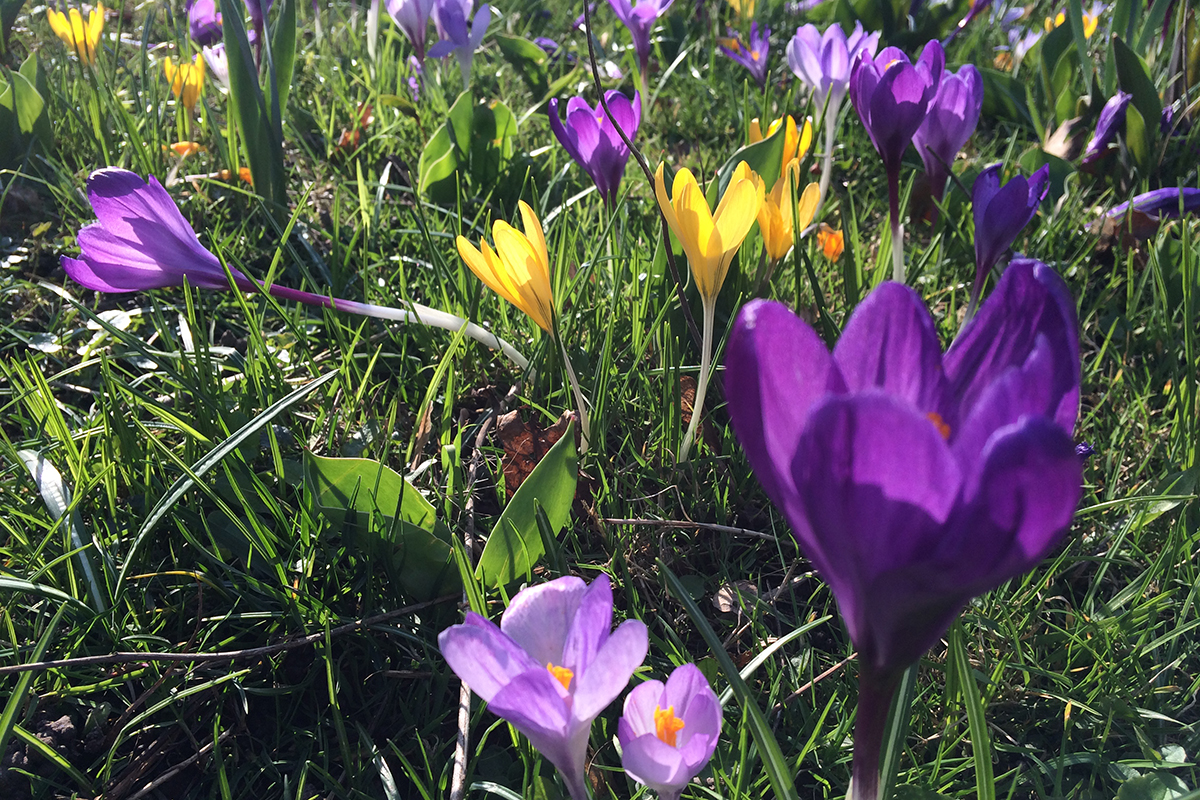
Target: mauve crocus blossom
{"type": "Point", "coordinates": [204, 22]}
{"type": "Point", "coordinates": [594, 143]}
{"type": "Point", "coordinates": [1000, 212]}
{"type": "Point", "coordinates": [412, 18]}
{"type": "Point", "coordinates": [258, 19]}
{"type": "Point", "coordinates": [951, 120]}
{"type": "Point", "coordinates": [1112, 117]}
{"type": "Point", "coordinates": [1169, 202]}
{"type": "Point", "coordinates": [457, 39]}
{"type": "Point", "coordinates": [668, 732]}
{"type": "Point", "coordinates": [753, 54]}
{"type": "Point", "coordinates": [218, 64]}
{"type": "Point", "coordinates": [640, 18]}
{"type": "Point", "coordinates": [551, 667]}
{"type": "Point", "coordinates": [83, 39]}
{"type": "Point", "coordinates": [140, 241]}
{"type": "Point", "coordinates": [892, 97]}
{"type": "Point", "coordinates": [912, 479]}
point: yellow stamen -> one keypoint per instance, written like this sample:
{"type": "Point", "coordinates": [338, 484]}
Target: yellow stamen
{"type": "Point", "coordinates": [666, 725]}
{"type": "Point", "coordinates": [562, 675]}
{"type": "Point", "coordinates": [940, 424]}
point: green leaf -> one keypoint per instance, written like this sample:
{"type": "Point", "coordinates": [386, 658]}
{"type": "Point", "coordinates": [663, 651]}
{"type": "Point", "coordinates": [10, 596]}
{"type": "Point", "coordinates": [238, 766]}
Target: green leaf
{"type": "Point", "coordinates": [981, 742]}
{"type": "Point", "coordinates": [438, 164]}
{"type": "Point", "coordinates": [384, 516]}
{"type": "Point", "coordinates": [1138, 137]}
{"type": "Point", "coordinates": [515, 544]}
{"type": "Point", "coordinates": [778, 770]}
{"type": "Point", "coordinates": [493, 127]}
{"type": "Point", "coordinates": [528, 58]}
{"type": "Point", "coordinates": [35, 73]}
{"type": "Point", "coordinates": [1005, 96]}
{"type": "Point", "coordinates": [9, 11]}
{"type": "Point", "coordinates": [765, 158]}
{"type": "Point", "coordinates": [1134, 77]}
{"type": "Point", "coordinates": [283, 49]}
{"type": "Point", "coordinates": [16, 698]}
{"type": "Point", "coordinates": [1155, 786]}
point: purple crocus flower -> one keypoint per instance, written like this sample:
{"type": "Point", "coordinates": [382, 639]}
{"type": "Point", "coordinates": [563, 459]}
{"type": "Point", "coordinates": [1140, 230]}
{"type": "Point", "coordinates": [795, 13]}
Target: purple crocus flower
{"type": "Point", "coordinates": [1000, 213]}
{"type": "Point", "coordinates": [204, 22]}
{"type": "Point", "coordinates": [1161, 203]}
{"type": "Point", "coordinates": [668, 733]}
{"type": "Point", "coordinates": [823, 61]}
{"type": "Point", "coordinates": [412, 17]}
{"type": "Point", "coordinates": [951, 120]}
{"type": "Point", "coordinates": [218, 63]}
{"type": "Point", "coordinates": [752, 55]}
{"type": "Point", "coordinates": [892, 97]}
{"type": "Point", "coordinates": [456, 38]}
{"type": "Point", "coordinates": [1112, 117]}
{"type": "Point", "coordinates": [258, 19]}
{"type": "Point", "coordinates": [912, 479]}
{"type": "Point", "coordinates": [551, 666]}
{"type": "Point", "coordinates": [977, 7]}
{"type": "Point", "coordinates": [592, 140]}
{"type": "Point", "coordinates": [640, 20]}
{"type": "Point", "coordinates": [140, 241]}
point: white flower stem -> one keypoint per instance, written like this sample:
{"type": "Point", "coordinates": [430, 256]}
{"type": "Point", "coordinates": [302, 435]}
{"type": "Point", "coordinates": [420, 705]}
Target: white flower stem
{"type": "Point", "coordinates": [710, 312]}
{"type": "Point", "coordinates": [827, 165]}
{"type": "Point", "coordinates": [585, 427]}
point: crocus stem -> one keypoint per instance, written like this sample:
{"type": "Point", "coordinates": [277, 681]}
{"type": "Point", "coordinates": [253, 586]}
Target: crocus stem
{"type": "Point", "coordinates": [585, 427]}
{"type": "Point", "coordinates": [827, 165]}
{"type": "Point", "coordinates": [874, 700]}
{"type": "Point", "coordinates": [644, 74]}
{"type": "Point", "coordinates": [576, 786]}
{"type": "Point", "coordinates": [710, 313]}
{"type": "Point", "coordinates": [424, 315]}
{"type": "Point", "coordinates": [897, 228]}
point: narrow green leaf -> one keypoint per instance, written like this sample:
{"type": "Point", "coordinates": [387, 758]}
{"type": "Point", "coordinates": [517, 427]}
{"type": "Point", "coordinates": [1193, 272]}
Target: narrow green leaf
{"type": "Point", "coordinates": [16, 699]}
{"type": "Point", "coordinates": [283, 49]}
{"type": "Point", "coordinates": [515, 543]}
{"type": "Point", "coordinates": [765, 158]}
{"type": "Point", "coordinates": [896, 732]}
{"type": "Point", "coordinates": [778, 770]}
{"type": "Point", "coordinates": [981, 741]}
{"type": "Point", "coordinates": [1134, 77]}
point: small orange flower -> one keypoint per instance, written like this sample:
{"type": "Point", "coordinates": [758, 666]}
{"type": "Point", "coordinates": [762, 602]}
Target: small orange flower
{"type": "Point", "coordinates": [183, 149]}
{"type": "Point", "coordinates": [832, 242]}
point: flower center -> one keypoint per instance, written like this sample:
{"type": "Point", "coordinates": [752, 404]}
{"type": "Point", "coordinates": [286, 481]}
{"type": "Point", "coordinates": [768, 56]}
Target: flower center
{"type": "Point", "coordinates": [562, 675]}
{"type": "Point", "coordinates": [666, 724]}
{"type": "Point", "coordinates": [754, 54]}
{"type": "Point", "coordinates": [940, 424]}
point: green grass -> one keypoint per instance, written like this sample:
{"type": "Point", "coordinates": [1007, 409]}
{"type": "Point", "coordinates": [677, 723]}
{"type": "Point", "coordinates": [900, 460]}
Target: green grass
{"type": "Point", "coordinates": [1086, 669]}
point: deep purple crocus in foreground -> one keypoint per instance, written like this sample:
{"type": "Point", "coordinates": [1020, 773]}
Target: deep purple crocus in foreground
{"type": "Point", "coordinates": [892, 97]}
{"type": "Point", "coordinates": [669, 732]}
{"type": "Point", "coordinates": [140, 241]}
{"type": "Point", "coordinates": [594, 143]}
{"type": "Point", "coordinates": [1161, 203]}
{"type": "Point", "coordinates": [551, 666]}
{"type": "Point", "coordinates": [914, 480]}
{"type": "Point", "coordinates": [753, 54]}
{"type": "Point", "coordinates": [1112, 117]}
{"type": "Point", "coordinates": [1000, 213]}
{"type": "Point", "coordinates": [951, 120]}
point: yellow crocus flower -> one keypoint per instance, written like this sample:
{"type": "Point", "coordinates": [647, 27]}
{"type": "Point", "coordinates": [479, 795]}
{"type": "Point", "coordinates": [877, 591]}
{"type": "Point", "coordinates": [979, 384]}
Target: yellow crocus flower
{"type": "Point", "coordinates": [518, 269]}
{"type": "Point", "coordinates": [186, 80]}
{"type": "Point", "coordinates": [1090, 22]}
{"type": "Point", "coordinates": [743, 8]}
{"type": "Point", "coordinates": [795, 141]}
{"type": "Point", "coordinates": [69, 27]}
{"type": "Point", "coordinates": [184, 149]}
{"type": "Point", "coordinates": [832, 242]}
{"type": "Point", "coordinates": [709, 239]}
{"type": "Point", "coordinates": [775, 215]}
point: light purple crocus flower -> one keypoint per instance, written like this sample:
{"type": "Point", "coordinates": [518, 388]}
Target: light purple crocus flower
{"type": "Point", "coordinates": [753, 54]}
{"type": "Point", "coordinates": [1161, 203]}
{"type": "Point", "coordinates": [551, 666]}
{"type": "Point", "coordinates": [640, 20]}
{"type": "Point", "coordinates": [594, 143]}
{"type": "Point", "coordinates": [822, 62]}
{"type": "Point", "coordinates": [951, 120]}
{"type": "Point", "coordinates": [204, 22]}
{"type": "Point", "coordinates": [218, 64]}
{"type": "Point", "coordinates": [1000, 212]}
{"type": "Point", "coordinates": [912, 479]}
{"type": "Point", "coordinates": [669, 732]}
{"type": "Point", "coordinates": [457, 39]}
{"type": "Point", "coordinates": [140, 241]}
{"type": "Point", "coordinates": [412, 18]}
{"type": "Point", "coordinates": [1112, 117]}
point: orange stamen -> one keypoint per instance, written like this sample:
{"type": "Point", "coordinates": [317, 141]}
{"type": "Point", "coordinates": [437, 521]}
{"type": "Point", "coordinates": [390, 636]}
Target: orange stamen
{"type": "Point", "coordinates": [562, 675]}
{"type": "Point", "coordinates": [666, 725]}
{"type": "Point", "coordinates": [940, 424]}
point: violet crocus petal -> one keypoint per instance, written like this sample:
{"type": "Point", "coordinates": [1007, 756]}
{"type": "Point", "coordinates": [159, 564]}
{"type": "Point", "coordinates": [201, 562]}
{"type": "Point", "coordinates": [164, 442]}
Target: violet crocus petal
{"type": "Point", "coordinates": [1112, 118]}
{"type": "Point", "coordinates": [651, 761]}
{"type": "Point", "coordinates": [1161, 202]}
{"type": "Point", "coordinates": [590, 627]}
{"type": "Point", "coordinates": [689, 693]}
{"type": "Point", "coordinates": [483, 657]}
{"type": "Point", "coordinates": [890, 343]}
{"type": "Point", "coordinates": [878, 484]}
{"type": "Point", "coordinates": [204, 22]}
{"type": "Point", "coordinates": [776, 368]}
{"type": "Point", "coordinates": [609, 672]}
{"type": "Point", "coordinates": [1001, 212]}
{"type": "Point", "coordinates": [952, 118]}
{"type": "Point", "coordinates": [1030, 300]}
{"type": "Point", "coordinates": [587, 133]}
{"type": "Point", "coordinates": [532, 704]}
{"type": "Point", "coordinates": [479, 26]}
{"type": "Point", "coordinates": [637, 718]}
{"type": "Point", "coordinates": [441, 49]}
{"type": "Point", "coordinates": [566, 136]}
{"type": "Point", "coordinates": [540, 617]}
{"type": "Point", "coordinates": [626, 112]}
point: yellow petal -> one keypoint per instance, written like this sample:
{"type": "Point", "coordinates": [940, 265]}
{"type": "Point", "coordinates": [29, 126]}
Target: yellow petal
{"type": "Point", "coordinates": [487, 268]}
{"type": "Point", "coordinates": [806, 137]}
{"type": "Point", "coordinates": [791, 140]}
{"type": "Point", "coordinates": [528, 274]}
{"type": "Point", "coordinates": [673, 211]}
{"type": "Point", "coordinates": [533, 230]}
{"type": "Point", "coordinates": [755, 131]}
{"type": "Point", "coordinates": [95, 27]}
{"type": "Point", "coordinates": [738, 210]}
{"type": "Point", "coordinates": [58, 24]}
{"type": "Point", "coordinates": [696, 234]}
{"type": "Point", "coordinates": [808, 204]}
